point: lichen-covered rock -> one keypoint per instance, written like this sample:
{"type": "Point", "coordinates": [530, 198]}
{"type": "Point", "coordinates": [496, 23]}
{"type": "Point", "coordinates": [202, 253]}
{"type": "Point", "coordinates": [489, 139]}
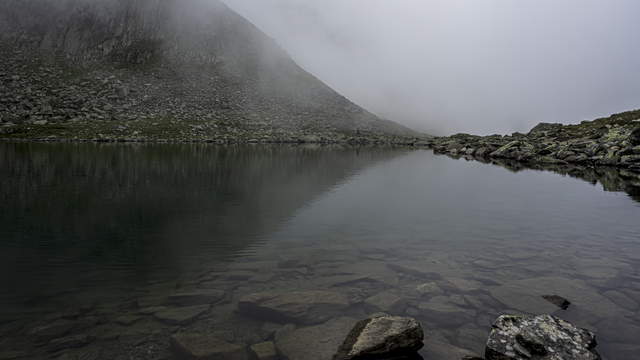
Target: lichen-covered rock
{"type": "Point", "coordinates": [382, 337]}
{"type": "Point", "coordinates": [543, 337]}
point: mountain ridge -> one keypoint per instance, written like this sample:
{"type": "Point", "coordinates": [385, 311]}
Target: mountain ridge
{"type": "Point", "coordinates": [162, 70]}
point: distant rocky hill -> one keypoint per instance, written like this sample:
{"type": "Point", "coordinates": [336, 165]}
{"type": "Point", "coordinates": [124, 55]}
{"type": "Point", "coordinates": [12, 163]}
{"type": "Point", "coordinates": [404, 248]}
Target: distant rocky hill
{"type": "Point", "coordinates": [612, 141]}
{"type": "Point", "coordinates": [161, 69]}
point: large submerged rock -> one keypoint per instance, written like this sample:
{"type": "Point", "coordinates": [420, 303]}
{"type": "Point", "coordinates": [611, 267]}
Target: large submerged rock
{"type": "Point", "coordinates": [542, 337]}
{"type": "Point", "coordinates": [303, 307]}
{"type": "Point", "coordinates": [205, 347]}
{"type": "Point", "coordinates": [382, 337]}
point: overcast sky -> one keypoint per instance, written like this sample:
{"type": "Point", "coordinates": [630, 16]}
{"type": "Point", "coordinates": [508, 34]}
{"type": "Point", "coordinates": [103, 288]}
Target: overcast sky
{"type": "Point", "coordinates": [481, 66]}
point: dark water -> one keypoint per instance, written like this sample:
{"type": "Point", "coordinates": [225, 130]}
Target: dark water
{"type": "Point", "coordinates": [91, 234]}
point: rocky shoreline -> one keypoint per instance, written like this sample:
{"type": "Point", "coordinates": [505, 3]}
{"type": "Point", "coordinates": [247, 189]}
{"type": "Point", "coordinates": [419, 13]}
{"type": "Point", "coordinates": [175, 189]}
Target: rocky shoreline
{"type": "Point", "coordinates": [612, 141]}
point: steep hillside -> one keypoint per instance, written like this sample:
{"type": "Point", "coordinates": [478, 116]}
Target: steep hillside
{"type": "Point", "coordinates": [160, 69]}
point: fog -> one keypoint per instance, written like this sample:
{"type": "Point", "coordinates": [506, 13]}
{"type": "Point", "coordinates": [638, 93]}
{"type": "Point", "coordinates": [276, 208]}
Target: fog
{"type": "Point", "coordinates": [481, 66]}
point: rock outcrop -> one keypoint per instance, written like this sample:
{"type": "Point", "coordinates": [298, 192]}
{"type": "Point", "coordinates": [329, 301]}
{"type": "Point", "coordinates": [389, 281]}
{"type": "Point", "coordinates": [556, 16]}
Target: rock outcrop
{"type": "Point", "coordinates": [613, 141]}
{"type": "Point", "coordinates": [161, 70]}
{"type": "Point", "coordinates": [382, 337]}
{"type": "Point", "coordinates": [543, 337]}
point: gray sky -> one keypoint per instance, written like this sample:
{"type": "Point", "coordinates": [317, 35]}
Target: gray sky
{"type": "Point", "coordinates": [481, 66]}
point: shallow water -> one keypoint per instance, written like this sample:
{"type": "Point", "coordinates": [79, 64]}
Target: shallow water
{"type": "Point", "coordinates": [91, 234]}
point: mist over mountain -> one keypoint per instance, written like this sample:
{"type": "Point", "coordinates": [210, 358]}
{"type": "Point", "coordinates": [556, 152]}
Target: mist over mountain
{"type": "Point", "coordinates": [475, 66]}
{"type": "Point", "coordinates": [160, 69]}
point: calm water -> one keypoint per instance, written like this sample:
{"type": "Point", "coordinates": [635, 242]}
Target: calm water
{"type": "Point", "coordinates": [92, 235]}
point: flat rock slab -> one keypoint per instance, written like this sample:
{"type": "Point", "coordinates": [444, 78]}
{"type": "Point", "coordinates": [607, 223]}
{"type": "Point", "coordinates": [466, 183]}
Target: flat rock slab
{"type": "Point", "coordinates": [205, 297]}
{"type": "Point", "coordinates": [382, 337]}
{"type": "Point", "coordinates": [206, 347]}
{"type": "Point", "coordinates": [302, 307]}
{"type": "Point", "coordinates": [181, 315]}
{"type": "Point", "coordinates": [318, 342]}
{"type": "Point", "coordinates": [69, 342]}
{"type": "Point", "coordinates": [386, 301]}
{"type": "Point", "coordinates": [265, 351]}
{"type": "Point", "coordinates": [542, 337]}
{"type": "Point", "coordinates": [526, 295]}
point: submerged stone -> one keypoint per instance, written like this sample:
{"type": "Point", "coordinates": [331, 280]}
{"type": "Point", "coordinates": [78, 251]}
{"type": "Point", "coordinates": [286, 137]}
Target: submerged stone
{"type": "Point", "coordinates": [264, 351]}
{"type": "Point", "coordinates": [304, 307]}
{"type": "Point", "coordinates": [196, 298]}
{"type": "Point", "coordinates": [205, 347]}
{"type": "Point", "coordinates": [385, 301]}
{"type": "Point", "coordinates": [181, 315]}
{"type": "Point", "coordinates": [70, 342]}
{"type": "Point", "coordinates": [557, 300]}
{"type": "Point", "coordinates": [542, 337]}
{"type": "Point", "coordinates": [382, 337]}
{"type": "Point", "coordinates": [317, 342]}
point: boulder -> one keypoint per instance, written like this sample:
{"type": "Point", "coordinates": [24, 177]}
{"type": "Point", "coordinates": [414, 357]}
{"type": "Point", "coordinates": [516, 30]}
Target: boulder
{"type": "Point", "coordinates": [302, 307]}
{"type": "Point", "coordinates": [382, 337]}
{"type": "Point", "coordinates": [542, 337]}
{"type": "Point", "coordinates": [204, 347]}
{"type": "Point", "coordinates": [634, 137]}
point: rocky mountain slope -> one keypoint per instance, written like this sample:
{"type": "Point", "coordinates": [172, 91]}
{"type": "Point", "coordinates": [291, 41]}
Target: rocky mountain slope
{"type": "Point", "coordinates": [612, 141]}
{"type": "Point", "coordinates": [161, 69]}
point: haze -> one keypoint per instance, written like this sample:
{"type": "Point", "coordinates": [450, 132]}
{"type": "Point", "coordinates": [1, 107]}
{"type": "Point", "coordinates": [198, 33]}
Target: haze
{"type": "Point", "coordinates": [479, 66]}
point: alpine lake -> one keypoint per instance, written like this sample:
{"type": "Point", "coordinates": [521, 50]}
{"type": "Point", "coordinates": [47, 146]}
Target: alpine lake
{"type": "Point", "coordinates": [107, 250]}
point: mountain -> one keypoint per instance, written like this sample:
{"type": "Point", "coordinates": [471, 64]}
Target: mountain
{"type": "Point", "coordinates": [161, 70]}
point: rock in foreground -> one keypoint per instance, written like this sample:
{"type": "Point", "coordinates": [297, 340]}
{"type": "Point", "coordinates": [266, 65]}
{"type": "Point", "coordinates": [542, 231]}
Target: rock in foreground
{"type": "Point", "coordinates": [543, 337]}
{"type": "Point", "coordinates": [382, 337]}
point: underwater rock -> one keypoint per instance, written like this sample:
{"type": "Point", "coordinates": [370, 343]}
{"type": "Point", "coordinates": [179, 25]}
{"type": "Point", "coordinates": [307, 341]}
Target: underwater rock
{"type": "Point", "coordinates": [557, 300]}
{"type": "Point", "coordinates": [303, 307]}
{"type": "Point", "coordinates": [205, 347]}
{"type": "Point", "coordinates": [181, 315]}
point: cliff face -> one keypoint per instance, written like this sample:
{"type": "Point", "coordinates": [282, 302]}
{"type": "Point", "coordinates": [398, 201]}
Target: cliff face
{"type": "Point", "coordinates": [160, 69]}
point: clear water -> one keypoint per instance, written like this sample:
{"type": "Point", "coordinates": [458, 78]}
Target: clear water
{"type": "Point", "coordinates": [90, 234]}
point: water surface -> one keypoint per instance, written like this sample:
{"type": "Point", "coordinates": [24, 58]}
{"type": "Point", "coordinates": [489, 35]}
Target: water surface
{"type": "Point", "coordinates": [91, 234]}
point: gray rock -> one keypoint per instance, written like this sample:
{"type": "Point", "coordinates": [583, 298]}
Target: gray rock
{"type": "Point", "coordinates": [317, 342]}
{"type": "Point", "coordinates": [69, 342]}
{"type": "Point", "coordinates": [387, 302]}
{"type": "Point", "coordinates": [264, 351]}
{"type": "Point", "coordinates": [443, 309]}
{"type": "Point", "coordinates": [526, 295]}
{"type": "Point", "coordinates": [205, 347]}
{"type": "Point", "coordinates": [382, 337]}
{"type": "Point", "coordinates": [429, 288]}
{"type": "Point", "coordinates": [55, 329]}
{"type": "Point", "coordinates": [559, 301]}
{"type": "Point", "coordinates": [303, 307]}
{"type": "Point", "coordinates": [196, 298]}
{"type": "Point", "coordinates": [181, 315]}
{"type": "Point", "coordinates": [543, 337]}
